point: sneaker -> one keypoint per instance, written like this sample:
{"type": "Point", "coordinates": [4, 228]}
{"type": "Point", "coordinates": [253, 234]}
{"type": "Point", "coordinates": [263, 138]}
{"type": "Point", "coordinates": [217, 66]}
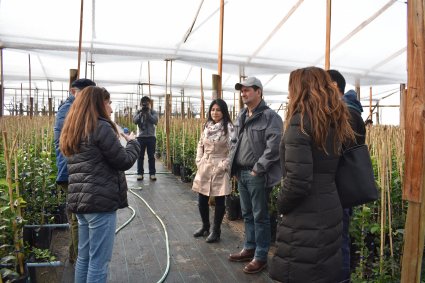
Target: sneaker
{"type": "Point", "coordinates": [139, 177]}
{"type": "Point", "coordinates": [153, 178]}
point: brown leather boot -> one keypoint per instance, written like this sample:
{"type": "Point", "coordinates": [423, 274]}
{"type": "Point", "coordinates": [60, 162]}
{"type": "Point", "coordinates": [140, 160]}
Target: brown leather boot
{"type": "Point", "coordinates": [243, 255]}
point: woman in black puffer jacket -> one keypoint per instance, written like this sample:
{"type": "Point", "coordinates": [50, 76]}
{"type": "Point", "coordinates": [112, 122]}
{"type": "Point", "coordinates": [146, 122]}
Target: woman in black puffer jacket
{"type": "Point", "coordinates": [97, 185]}
{"type": "Point", "coordinates": [309, 233]}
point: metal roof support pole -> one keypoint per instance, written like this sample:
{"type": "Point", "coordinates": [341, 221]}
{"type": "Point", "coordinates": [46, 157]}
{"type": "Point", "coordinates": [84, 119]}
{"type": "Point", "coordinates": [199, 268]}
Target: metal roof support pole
{"type": "Point", "coordinates": [1, 83]}
{"type": "Point", "coordinates": [414, 144]}
{"type": "Point", "coordinates": [328, 33]}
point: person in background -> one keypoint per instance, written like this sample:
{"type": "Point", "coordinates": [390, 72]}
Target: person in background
{"type": "Point", "coordinates": [97, 184]}
{"type": "Point", "coordinates": [310, 228]}
{"type": "Point", "coordinates": [146, 119]}
{"type": "Point", "coordinates": [255, 163]}
{"type": "Point", "coordinates": [62, 178]}
{"type": "Point", "coordinates": [213, 175]}
{"type": "Point", "coordinates": [356, 121]}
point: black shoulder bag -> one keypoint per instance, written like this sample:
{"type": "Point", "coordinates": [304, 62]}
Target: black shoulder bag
{"type": "Point", "coordinates": [354, 177]}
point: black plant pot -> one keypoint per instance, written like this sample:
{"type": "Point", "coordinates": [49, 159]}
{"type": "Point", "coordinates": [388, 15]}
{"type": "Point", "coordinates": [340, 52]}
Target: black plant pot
{"type": "Point", "coordinates": [185, 174]}
{"type": "Point", "coordinates": [233, 208]}
{"type": "Point", "coordinates": [60, 216]}
{"type": "Point", "coordinates": [38, 237]}
{"type": "Point", "coordinates": [176, 169]}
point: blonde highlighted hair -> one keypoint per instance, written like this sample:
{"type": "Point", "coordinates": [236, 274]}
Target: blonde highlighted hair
{"type": "Point", "coordinates": [313, 94]}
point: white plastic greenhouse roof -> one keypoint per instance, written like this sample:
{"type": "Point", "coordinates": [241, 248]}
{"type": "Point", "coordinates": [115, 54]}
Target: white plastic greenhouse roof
{"type": "Point", "coordinates": [267, 39]}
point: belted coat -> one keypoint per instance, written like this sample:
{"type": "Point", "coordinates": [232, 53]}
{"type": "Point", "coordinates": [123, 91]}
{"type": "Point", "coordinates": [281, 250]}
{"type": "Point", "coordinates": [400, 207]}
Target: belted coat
{"type": "Point", "coordinates": [212, 177]}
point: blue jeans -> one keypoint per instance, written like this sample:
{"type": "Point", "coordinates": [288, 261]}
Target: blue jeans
{"type": "Point", "coordinates": [345, 246]}
{"type": "Point", "coordinates": [255, 213]}
{"type": "Point", "coordinates": [96, 233]}
{"type": "Point", "coordinates": [147, 144]}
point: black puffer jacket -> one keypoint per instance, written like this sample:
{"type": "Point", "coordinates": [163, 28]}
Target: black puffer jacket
{"type": "Point", "coordinates": [96, 179]}
{"type": "Point", "coordinates": [309, 233]}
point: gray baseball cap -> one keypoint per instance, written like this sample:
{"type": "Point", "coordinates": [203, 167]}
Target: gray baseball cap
{"type": "Point", "coordinates": [251, 81]}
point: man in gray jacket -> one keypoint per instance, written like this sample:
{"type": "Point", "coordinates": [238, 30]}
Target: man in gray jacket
{"type": "Point", "coordinates": [256, 165]}
{"type": "Point", "coordinates": [146, 119]}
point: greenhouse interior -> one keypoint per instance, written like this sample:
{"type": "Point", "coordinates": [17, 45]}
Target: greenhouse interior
{"type": "Point", "coordinates": [183, 55]}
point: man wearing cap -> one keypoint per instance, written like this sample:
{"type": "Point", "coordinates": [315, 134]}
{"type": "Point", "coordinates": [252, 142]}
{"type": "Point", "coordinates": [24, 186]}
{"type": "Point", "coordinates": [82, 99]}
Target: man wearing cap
{"type": "Point", "coordinates": [62, 177]}
{"type": "Point", "coordinates": [256, 165]}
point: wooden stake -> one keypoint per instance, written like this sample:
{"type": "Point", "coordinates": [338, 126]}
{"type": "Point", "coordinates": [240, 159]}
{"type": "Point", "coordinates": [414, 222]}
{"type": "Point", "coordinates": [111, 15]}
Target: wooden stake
{"type": "Point", "coordinates": [80, 38]}
{"type": "Point", "coordinates": [220, 51]}
{"type": "Point", "coordinates": [414, 144]}
{"type": "Point", "coordinates": [328, 33]}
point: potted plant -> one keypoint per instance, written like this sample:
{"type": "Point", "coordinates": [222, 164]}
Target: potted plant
{"type": "Point", "coordinates": [233, 203]}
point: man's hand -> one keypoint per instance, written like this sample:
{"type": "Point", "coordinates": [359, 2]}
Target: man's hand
{"type": "Point", "coordinates": [253, 173]}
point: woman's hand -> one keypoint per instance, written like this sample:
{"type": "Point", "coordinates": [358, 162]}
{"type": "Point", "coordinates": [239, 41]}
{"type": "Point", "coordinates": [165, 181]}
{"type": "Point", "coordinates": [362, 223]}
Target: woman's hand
{"type": "Point", "coordinates": [128, 137]}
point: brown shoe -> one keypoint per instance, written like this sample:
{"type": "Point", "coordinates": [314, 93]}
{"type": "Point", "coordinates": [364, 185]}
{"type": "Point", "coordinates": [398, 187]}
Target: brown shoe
{"type": "Point", "coordinates": [255, 266]}
{"type": "Point", "coordinates": [243, 255]}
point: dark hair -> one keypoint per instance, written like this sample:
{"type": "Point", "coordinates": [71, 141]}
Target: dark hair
{"type": "Point", "coordinates": [339, 79]}
{"type": "Point", "coordinates": [226, 116]}
{"type": "Point", "coordinates": [145, 99]}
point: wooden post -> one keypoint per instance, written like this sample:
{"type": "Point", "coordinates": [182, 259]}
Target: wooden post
{"type": "Point", "coordinates": [370, 104]}
{"type": "Point", "coordinates": [220, 52]}
{"type": "Point", "coordinates": [167, 117]}
{"type": "Point", "coordinates": [402, 105]}
{"type": "Point", "coordinates": [73, 75]}
{"type": "Point", "coordinates": [149, 78]}
{"type": "Point", "coordinates": [414, 144]}
{"type": "Point", "coordinates": [80, 38]}
{"type": "Point", "coordinates": [358, 90]}
{"type": "Point", "coordinates": [241, 105]}
{"type": "Point", "coordinates": [202, 100]}
{"type": "Point", "coordinates": [328, 34]}
{"type": "Point", "coordinates": [1, 83]}
{"type": "Point", "coordinates": [216, 82]}
{"type": "Point", "coordinates": [182, 103]}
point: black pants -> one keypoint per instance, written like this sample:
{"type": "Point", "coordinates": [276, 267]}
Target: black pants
{"type": "Point", "coordinates": [203, 200]}
{"type": "Point", "coordinates": [146, 143]}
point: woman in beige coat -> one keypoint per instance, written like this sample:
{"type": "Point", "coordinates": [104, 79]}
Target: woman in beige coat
{"type": "Point", "coordinates": [212, 177]}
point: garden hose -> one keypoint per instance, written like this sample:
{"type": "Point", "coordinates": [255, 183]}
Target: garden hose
{"type": "Point", "coordinates": [163, 226]}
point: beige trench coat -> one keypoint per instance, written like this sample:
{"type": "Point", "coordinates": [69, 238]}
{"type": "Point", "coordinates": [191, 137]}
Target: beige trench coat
{"type": "Point", "coordinates": [212, 177]}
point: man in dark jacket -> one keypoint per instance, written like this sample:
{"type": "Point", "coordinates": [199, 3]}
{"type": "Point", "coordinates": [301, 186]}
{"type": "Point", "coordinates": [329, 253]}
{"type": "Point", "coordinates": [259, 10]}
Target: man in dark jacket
{"type": "Point", "coordinates": [62, 177]}
{"type": "Point", "coordinates": [146, 119]}
{"type": "Point", "coordinates": [255, 163]}
{"type": "Point", "coordinates": [357, 124]}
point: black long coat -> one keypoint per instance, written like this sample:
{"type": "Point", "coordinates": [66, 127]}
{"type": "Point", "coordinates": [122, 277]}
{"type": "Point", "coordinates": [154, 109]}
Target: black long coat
{"type": "Point", "coordinates": [309, 233]}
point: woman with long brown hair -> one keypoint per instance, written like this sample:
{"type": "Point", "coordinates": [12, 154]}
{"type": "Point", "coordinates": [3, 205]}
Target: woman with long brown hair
{"type": "Point", "coordinates": [309, 232]}
{"type": "Point", "coordinates": [97, 185]}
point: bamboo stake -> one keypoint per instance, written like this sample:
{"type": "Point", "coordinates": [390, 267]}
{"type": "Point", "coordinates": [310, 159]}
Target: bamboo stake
{"type": "Point", "coordinates": [202, 100]}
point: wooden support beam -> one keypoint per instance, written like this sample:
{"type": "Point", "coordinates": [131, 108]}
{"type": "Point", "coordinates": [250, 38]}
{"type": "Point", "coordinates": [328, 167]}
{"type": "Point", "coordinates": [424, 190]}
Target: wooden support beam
{"type": "Point", "coordinates": [328, 34]}
{"type": "Point", "coordinates": [403, 93]}
{"type": "Point", "coordinates": [414, 144]}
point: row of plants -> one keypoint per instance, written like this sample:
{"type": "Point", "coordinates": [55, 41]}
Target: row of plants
{"type": "Point", "coordinates": [28, 192]}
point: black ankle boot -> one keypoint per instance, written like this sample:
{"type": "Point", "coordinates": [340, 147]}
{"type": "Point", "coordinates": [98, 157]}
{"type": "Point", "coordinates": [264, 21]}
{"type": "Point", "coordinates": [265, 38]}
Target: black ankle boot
{"type": "Point", "coordinates": [205, 216]}
{"type": "Point", "coordinates": [214, 236]}
{"type": "Point", "coordinates": [218, 218]}
{"type": "Point", "coordinates": [202, 232]}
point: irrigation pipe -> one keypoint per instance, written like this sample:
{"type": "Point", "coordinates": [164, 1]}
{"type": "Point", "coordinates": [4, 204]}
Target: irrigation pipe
{"type": "Point", "coordinates": [163, 226]}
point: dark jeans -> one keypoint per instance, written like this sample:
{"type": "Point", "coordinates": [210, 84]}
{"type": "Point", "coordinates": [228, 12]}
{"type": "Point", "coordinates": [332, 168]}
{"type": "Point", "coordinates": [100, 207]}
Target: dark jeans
{"type": "Point", "coordinates": [345, 246]}
{"type": "Point", "coordinates": [146, 143]}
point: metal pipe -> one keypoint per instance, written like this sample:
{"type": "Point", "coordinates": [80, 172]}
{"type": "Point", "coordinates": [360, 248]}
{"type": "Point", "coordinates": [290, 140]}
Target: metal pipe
{"type": "Point", "coordinates": [44, 264]}
{"type": "Point", "coordinates": [63, 225]}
